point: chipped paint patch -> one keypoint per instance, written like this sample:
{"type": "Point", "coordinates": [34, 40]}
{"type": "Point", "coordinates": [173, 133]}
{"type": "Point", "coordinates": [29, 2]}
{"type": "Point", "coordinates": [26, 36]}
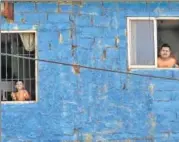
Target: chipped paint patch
{"type": "Point", "coordinates": [76, 69]}
{"type": "Point", "coordinates": [152, 123]}
{"type": "Point", "coordinates": [60, 38]}
{"type": "Point", "coordinates": [151, 89]}
{"type": "Point", "coordinates": [35, 27]}
{"type": "Point", "coordinates": [104, 55]}
{"type": "Point", "coordinates": [15, 27]}
{"type": "Point", "coordinates": [117, 40]}
{"type": "Point", "coordinates": [88, 137]}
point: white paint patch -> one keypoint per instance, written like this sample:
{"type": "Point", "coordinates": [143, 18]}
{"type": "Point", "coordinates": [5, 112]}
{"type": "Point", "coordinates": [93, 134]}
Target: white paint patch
{"type": "Point", "coordinates": [60, 38]}
{"type": "Point", "coordinates": [15, 27]}
{"type": "Point", "coordinates": [114, 22]}
{"type": "Point", "coordinates": [35, 27]}
{"type": "Point", "coordinates": [159, 10]}
{"type": "Point", "coordinates": [151, 88]}
{"type": "Point", "coordinates": [93, 14]}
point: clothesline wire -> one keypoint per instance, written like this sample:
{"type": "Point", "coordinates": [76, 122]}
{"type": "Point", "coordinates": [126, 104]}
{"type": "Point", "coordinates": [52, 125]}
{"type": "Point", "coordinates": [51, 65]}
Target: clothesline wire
{"type": "Point", "coordinates": [90, 68]}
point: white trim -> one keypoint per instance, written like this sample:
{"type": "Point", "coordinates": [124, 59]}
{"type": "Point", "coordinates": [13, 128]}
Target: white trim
{"type": "Point", "coordinates": [153, 18]}
{"type": "Point", "coordinates": [36, 67]}
{"type": "Point", "coordinates": [18, 102]}
{"type": "Point", "coordinates": [167, 18]}
{"type": "Point", "coordinates": [155, 42]}
{"type": "Point", "coordinates": [142, 67]}
{"type": "Point", "coordinates": [18, 31]}
{"type": "Point", "coordinates": [154, 69]}
{"type": "Point", "coordinates": [141, 18]}
{"type": "Point", "coordinates": [128, 41]}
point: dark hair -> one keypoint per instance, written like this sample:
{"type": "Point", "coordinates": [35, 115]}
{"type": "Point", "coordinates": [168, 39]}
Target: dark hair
{"type": "Point", "coordinates": [168, 46]}
{"type": "Point", "coordinates": [15, 81]}
{"type": "Point", "coordinates": [165, 45]}
{"type": "Point", "coordinates": [18, 80]}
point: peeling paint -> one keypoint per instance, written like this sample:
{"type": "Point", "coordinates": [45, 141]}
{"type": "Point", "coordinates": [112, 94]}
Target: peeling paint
{"type": "Point", "coordinates": [60, 38]}
{"type": "Point", "coordinates": [15, 27]}
{"type": "Point", "coordinates": [117, 40]}
{"type": "Point", "coordinates": [104, 55]}
{"type": "Point", "coordinates": [114, 22]}
{"type": "Point", "coordinates": [76, 69]}
{"type": "Point", "coordinates": [151, 89]}
{"type": "Point", "coordinates": [88, 138]}
{"type": "Point", "coordinates": [93, 14]}
{"type": "Point", "coordinates": [159, 10]}
{"type": "Point", "coordinates": [49, 46]}
{"type": "Point", "coordinates": [125, 32]}
{"type": "Point", "coordinates": [35, 27]}
{"type": "Point", "coordinates": [152, 122]}
{"type": "Point", "coordinates": [23, 20]}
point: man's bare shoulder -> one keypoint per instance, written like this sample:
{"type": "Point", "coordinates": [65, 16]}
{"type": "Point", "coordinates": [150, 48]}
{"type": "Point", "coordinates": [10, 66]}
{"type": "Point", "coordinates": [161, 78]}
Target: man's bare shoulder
{"type": "Point", "coordinates": [169, 59]}
{"type": "Point", "coordinates": [172, 59]}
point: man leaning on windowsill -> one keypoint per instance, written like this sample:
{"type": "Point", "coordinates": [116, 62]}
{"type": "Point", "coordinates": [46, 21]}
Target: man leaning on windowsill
{"type": "Point", "coordinates": [166, 58]}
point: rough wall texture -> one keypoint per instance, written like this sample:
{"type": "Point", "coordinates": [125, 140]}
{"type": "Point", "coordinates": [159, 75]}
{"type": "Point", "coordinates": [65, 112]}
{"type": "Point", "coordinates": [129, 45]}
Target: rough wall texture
{"type": "Point", "coordinates": [92, 105]}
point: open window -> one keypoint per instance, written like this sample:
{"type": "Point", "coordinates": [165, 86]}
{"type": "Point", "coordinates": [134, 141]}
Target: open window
{"type": "Point", "coordinates": [18, 52]}
{"type": "Point", "coordinates": [145, 37]}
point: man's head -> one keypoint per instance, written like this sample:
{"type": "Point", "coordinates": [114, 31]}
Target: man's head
{"type": "Point", "coordinates": [19, 85]}
{"type": "Point", "coordinates": [165, 51]}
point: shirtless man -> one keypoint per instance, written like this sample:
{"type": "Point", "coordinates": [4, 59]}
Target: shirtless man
{"type": "Point", "coordinates": [165, 59]}
{"type": "Point", "coordinates": [21, 94]}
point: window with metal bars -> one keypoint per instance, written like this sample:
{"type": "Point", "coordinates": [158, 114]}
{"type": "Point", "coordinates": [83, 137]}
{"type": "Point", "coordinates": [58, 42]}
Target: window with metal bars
{"type": "Point", "coordinates": [17, 64]}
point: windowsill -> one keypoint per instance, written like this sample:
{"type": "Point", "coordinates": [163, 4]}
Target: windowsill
{"type": "Point", "coordinates": [167, 68]}
{"type": "Point", "coordinates": [154, 69]}
{"type": "Point", "coordinates": [18, 102]}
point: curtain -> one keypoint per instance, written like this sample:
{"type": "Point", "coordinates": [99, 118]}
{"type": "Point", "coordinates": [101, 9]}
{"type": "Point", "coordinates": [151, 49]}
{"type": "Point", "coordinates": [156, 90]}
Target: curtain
{"type": "Point", "coordinates": [2, 7]}
{"type": "Point", "coordinates": [28, 40]}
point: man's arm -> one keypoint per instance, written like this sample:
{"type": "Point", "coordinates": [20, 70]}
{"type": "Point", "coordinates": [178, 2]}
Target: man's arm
{"type": "Point", "coordinates": [13, 95]}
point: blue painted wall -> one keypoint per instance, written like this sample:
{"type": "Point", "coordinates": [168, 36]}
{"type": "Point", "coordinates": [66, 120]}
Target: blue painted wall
{"type": "Point", "coordinates": [92, 105]}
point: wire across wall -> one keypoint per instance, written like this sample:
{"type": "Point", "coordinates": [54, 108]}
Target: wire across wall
{"type": "Point", "coordinates": [27, 56]}
{"type": "Point", "coordinates": [93, 68]}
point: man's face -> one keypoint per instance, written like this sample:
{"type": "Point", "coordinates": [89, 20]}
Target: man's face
{"type": "Point", "coordinates": [19, 85]}
{"type": "Point", "coordinates": [165, 52]}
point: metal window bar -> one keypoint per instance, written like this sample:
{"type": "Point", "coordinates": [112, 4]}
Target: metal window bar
{"type": "Point", "coordinates": [12, 64]}
{"type": "Point", "coordinates": [17, 47]}
{"type": "Point", "coordinates": [30, 71]}
{"type": "Point", "coordinates": [26, 54]}
{"type": "Point", "coordinates": [5, 94]}
{"type": "Point", "coordinates": [23, 66]}
{"type": "Point", "coordinates": [24, 79]}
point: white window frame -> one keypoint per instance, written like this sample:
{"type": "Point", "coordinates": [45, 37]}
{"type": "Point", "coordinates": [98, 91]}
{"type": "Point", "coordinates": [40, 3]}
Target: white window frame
{"type": "Point", "coordinates": [154, 19]}
{"type": "Point", "coordinates": [36, 68]}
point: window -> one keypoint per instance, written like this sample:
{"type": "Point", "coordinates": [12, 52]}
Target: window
{"type": "Point", "coordinates": [18, 52]}
{"type": "Point", "coordinates": [145, 37]}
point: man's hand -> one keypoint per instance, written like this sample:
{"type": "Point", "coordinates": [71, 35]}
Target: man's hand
{"type": "Point", "coordinates": [13, 95]}
{"type": "Point", "coordinates": [176, 66]}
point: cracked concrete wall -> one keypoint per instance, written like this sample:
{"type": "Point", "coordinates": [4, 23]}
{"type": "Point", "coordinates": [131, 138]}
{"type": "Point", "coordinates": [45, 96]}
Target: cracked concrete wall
{"type": "Point", "coordinates": [88, 105]}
